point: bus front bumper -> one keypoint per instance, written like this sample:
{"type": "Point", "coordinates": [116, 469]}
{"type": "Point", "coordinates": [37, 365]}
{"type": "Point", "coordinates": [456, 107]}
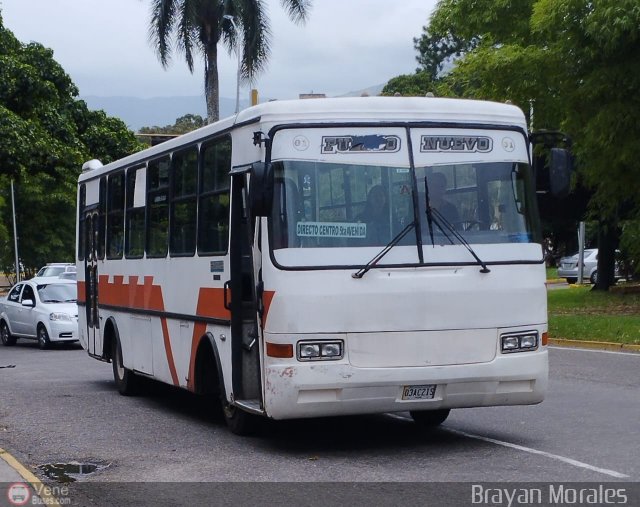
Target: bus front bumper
{"type": "Point", "coordinates": [316, 389]}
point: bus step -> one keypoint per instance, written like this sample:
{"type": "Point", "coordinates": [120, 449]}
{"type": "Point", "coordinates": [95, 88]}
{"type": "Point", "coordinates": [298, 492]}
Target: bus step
{"type": "Point", "coordinates": [252, 406]}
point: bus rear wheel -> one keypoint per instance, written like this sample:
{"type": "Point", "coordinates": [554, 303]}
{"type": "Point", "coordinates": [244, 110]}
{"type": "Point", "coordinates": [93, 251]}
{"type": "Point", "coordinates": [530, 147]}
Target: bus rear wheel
{"type": "Point", "coordinates": [430, 418]}
{"type": "Point", "coordinates": [126, 381]}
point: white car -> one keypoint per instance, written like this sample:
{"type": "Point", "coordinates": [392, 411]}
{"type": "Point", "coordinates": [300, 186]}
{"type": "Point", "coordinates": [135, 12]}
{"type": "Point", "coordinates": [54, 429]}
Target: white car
{"type": "Point", "coordinates": [54, 270]}
{"type": "Point", "coordinates": [46, 312]}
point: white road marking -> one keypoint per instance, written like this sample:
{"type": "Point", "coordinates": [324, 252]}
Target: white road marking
{"type": "Point", "coordinates": [596, 350]}
{"type": "Point", "coordinates": [557, 457]}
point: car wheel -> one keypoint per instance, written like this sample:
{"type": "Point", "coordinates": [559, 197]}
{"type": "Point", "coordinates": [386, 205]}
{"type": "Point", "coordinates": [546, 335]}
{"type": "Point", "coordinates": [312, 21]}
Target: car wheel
{"type": "Point", "coordinates": [238, 421]}
{"type": "Point", "coordinates": [126, 381]}
{"type": "Point", "coordinates": [5, 335]}
{"type": "Point", "coordinates": [430, 418]}
{"type": "Point", "coordinates": [572, 280]}
{"type": "Point", "coordinates": [43, 338]}
{"type": "Point", "coordinates": [594, 277]}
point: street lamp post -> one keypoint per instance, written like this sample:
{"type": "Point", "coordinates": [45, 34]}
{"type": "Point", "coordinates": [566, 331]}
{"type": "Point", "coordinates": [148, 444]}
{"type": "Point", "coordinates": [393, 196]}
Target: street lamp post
{"type": "Point", "coordinates": [235, 29]}
{"type": "Point", "coordinates": [15, 233]}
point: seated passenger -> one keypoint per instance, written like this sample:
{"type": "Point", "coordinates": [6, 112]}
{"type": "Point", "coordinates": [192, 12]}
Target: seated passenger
{"type": "Point", "coordinates": [376, 215]}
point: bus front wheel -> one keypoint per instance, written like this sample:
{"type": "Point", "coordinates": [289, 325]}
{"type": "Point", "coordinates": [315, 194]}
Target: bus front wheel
{"type": "Point", "coordinates": [126, 381]}
{"type": "Point", "coordinates": [238, 421]}
{"type": "Point", "coordinates": [430, 418]}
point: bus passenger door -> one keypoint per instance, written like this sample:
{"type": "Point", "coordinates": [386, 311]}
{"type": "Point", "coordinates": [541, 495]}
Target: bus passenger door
{"type": "Point", "coordinates": [92, 222]}
{"type": "Point", "coordinates": [241, 300]}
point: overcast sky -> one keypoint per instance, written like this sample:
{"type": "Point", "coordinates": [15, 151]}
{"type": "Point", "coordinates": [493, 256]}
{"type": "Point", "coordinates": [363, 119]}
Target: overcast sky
{"type": "Point", "coordinates": [346, 45]}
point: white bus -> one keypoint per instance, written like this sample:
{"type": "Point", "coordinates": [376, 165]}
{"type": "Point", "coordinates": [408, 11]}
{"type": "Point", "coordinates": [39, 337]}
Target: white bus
{"type": "Point", "coordinates": [323, 257]}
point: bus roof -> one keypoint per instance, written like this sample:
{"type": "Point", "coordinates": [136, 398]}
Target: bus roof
{"type": "Point", "coordinates": [348, 109]}
{"type": "Point", "coordinates": [386, 108]}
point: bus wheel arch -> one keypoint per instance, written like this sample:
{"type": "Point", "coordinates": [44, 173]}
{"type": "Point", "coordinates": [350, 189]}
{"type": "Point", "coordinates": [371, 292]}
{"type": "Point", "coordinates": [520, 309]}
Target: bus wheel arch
{"type": "Point", "coordinates": [126, 380]}
{"type": "Point", "coordinates": [110, 334]}
{"type": "Point", "coordinates": [207, 378]}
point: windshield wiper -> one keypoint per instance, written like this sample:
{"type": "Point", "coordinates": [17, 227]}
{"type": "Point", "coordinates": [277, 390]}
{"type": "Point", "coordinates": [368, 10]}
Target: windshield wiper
{"type": "Point", "coordinates": [428, 212]}
{"type": "Point", "coordinates": [442, 220]}
{"type": "Point", "coordinates": [361, 272]}
{"type": "Point", "coordinates": [52, 301]}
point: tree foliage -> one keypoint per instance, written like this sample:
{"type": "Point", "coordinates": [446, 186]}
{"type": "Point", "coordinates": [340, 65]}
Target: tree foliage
{"type": "Point", "coordinates": [184, 124]}
{"type": "Point", "coordinates": [196, 26]}
{"type": "Point", "coordinates": [46, 134]}
{"type": "Point", "coordinates": [573, 64]}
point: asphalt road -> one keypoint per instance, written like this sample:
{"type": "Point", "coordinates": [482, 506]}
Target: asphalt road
{"type": "Point", "coordinates": [60, 406]}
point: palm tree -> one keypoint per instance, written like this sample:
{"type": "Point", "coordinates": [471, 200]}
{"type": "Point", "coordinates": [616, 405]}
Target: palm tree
{"type": "Point", "coordinates": [197, 26]}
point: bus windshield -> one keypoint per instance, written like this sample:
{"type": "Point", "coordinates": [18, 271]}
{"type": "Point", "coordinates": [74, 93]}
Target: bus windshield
{"type": "Point", "coordinates": [325, 205]}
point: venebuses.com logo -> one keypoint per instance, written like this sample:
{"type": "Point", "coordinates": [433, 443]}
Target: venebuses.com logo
{"type": "Point", "coordinates": [18, 493]}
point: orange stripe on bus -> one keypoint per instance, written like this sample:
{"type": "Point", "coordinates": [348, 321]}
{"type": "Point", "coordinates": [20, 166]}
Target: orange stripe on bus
{"type": "Point", "coordinates": [211, 303]}
{"type": "Point", "coordinates": [142, 297]}
{"type": "Point", "coordinates": [81, 292]}
{"type": "Point", "coordinates": [167, 348]}
{"type": "Point", "coordinates": [267, 297]}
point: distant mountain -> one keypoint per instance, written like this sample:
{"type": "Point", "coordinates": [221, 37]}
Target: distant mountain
{"type": "Point", "coordinates": [137, 112]}
{"type": "Point", "coordinates": [372, 91]}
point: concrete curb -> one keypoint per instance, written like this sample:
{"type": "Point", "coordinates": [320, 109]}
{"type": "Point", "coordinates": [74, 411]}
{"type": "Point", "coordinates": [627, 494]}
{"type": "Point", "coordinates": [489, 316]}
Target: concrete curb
{"type": "Point", "coordinates": [12, 472]}
{"type": "Point", "coordinates": [583, 344]}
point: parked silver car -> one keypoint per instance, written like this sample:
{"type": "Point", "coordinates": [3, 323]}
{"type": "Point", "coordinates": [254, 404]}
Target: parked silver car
{"type": "Point", "coordinates": [568, 267]}
{"type": "Point", "coordinates": [46, 312]}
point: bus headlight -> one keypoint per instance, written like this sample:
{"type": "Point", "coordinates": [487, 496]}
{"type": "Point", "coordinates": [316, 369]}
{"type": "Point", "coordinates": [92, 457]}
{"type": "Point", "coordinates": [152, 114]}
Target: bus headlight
{"type": "Point", "coordinates": [519, 342]}
{"type": "Point", "coordinates": [320, 351]}
{"type": "Point", "coordinates": [308, 350]}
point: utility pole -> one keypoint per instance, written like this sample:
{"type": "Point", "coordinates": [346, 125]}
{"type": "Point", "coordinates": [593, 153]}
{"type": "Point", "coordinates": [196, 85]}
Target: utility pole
{"type": "Point", "coordinates": [15, 233]}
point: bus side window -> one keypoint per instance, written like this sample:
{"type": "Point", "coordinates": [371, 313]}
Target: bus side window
{"type": "Point", "coordinates": [213, 209]}
{"type": "Point", "coordinates": [158, 207]}
{"type": "Point", "coordinates": [102, 206]}
{"type": "Point", "coordinates": [184, 182]}
{"type": "Point", "coordinates": [134, 243]}
{"type": "Point", "coordinates": [81, 221]}
{"type": "Point", "coordinates": [115, 216]}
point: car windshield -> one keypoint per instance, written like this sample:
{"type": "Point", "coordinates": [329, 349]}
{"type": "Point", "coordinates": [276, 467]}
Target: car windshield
{"type": "Point", "coordinates": [51, 271]}
{"type": "Point", "coordinates": [57, 293]}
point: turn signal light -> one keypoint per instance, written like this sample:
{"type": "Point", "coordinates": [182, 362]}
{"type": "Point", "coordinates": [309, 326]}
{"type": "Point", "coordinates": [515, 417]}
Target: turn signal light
{"type": "Point", "coordinates": [545, 339]}
{"type": "Point", "coordinates": [282, 350]}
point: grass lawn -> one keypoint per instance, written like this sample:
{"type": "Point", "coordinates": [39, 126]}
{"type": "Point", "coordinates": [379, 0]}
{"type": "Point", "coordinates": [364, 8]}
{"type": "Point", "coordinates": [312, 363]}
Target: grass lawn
{"type": "Point", "coordinates": [578, 313]}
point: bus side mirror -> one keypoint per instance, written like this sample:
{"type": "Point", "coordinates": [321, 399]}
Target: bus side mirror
{"type": "Point", "coordinates": [260, 189]}
{"type": "Point", "coordinates": [560, 168]}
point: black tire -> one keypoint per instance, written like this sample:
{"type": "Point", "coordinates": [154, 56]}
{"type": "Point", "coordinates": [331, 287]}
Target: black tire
{"type": "Point", "coordinates": [5, 335]}
{"type": "Point", "coordinates": [430, 418]}
{"type": "Point", "coordinates": [43, 338]}
{"type": "Point", "coordinates": [126, 381]}
{"type": "Point", "coordinates": [238, 421]}
{"type": "Point", "coordinates": [572, 280]}
{"type": "Point", "coordinates": [594, 277]}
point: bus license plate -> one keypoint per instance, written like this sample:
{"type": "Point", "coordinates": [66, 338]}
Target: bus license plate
{"type": "Point", "coordinates": [424, 392]}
